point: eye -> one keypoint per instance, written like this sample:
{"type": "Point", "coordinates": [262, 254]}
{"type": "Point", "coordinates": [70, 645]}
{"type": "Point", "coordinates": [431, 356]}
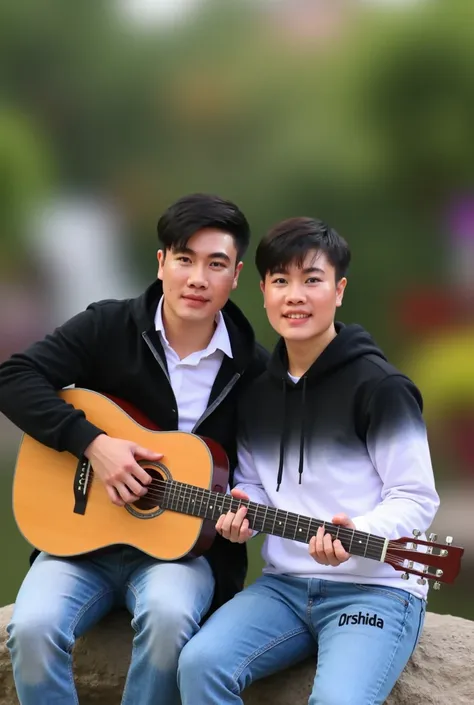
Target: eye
{"type": "Point", "coordinates": [184, 259]}
{"type": "Point", "coordinates": [217, 265]}
{"type": "Point", "coordinates": [313, 280]}
{"type": "Point", "coordinates": [279, 280]}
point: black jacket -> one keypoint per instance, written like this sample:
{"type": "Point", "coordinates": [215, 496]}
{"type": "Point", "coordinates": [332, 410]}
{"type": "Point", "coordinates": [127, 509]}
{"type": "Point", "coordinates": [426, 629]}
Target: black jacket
{"type": "Point", "coordinates": [112, 347]}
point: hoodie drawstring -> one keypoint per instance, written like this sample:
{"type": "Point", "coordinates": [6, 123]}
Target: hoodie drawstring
{"type": "Point", "coordinates": [282, 439]}
{"type": "Point", "coordinates": [284, 434]}
{"type": "Point", "coordinates": [303, 404]}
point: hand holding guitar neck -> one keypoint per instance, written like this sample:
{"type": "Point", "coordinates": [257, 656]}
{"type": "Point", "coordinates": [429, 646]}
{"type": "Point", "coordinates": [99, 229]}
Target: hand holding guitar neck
{"type": "Point", "coordinates": [115, 463]}
{"type": "Point", "coordinates": [234, 526]}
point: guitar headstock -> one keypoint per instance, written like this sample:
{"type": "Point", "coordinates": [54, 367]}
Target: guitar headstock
{"type": "Point", "coordinates": [425, 558]}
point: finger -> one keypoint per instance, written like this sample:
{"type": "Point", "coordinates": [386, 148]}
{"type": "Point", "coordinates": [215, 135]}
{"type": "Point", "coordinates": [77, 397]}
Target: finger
{"type": "Point", "coordinates": [329, 550]}
{"type": "Point", "coordinates": [320, 553]}
{"type": "Point", "coordinates": [239, 494]}
{"type": "Point", "coordinates": [219, 523]}
{"type": "Point", "coordinates": [246, 532]}
{"type": "Point", "coordinates": [114, 496]}
{"type": "Point", "coordinates": [146, 453]}
{"type": "Point", "coordinates": [343, 520]}
{"type": "Point", "coordinates": [133, 468]}
{"type": "Point", "coordinates": [237, 523]}
{"type": "Point", "coordinates": [125, 493]}
{"type": "Point", "coordinates": [135, 487]}
{"type": "Point", "coordinates": [340, 552]}
{"type": "Point", "coordinates": [227, 524]}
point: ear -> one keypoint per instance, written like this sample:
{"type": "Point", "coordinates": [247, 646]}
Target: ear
{"type": "Point", "coordinates": [160, 256]}
{"type": "Point", "coordinates": [238, 269]}
{"type": "Point", "coordinates": [262, 289]}
{"type": "Point", "coordinates": [340, 289]}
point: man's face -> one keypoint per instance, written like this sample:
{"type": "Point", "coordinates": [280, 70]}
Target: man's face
{"type": "Point", "coordinates": [198, 280]}
{"type": "Point", "coordinates": [301, 301]}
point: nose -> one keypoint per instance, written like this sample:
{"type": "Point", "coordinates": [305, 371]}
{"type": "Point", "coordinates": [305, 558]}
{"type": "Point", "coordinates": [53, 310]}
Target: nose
{"type": "Point", "coordinates": [295, 294]}
{"type": "Point", "coordinates": [197, 277]}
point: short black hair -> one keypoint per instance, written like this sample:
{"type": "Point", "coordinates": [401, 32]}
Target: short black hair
{"type": "Point", "coordinates": [196, 211]}
{"type": "Point", "coordinates": [290, 241]}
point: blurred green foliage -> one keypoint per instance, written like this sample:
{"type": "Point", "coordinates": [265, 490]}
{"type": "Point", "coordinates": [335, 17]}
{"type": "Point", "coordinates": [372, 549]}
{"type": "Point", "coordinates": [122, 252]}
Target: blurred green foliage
{"type": "Point", "coordinates": [370, 130]}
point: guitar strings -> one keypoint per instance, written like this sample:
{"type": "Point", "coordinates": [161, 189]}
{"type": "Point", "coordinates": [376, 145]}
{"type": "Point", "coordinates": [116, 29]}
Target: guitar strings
{"type": "Point", "coordinates": [187, 492]}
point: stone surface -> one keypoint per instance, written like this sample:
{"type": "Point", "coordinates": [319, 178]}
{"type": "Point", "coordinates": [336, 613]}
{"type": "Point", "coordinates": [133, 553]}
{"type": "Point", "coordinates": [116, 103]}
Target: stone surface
{"type": "Point", "coordinates": [441, 671]}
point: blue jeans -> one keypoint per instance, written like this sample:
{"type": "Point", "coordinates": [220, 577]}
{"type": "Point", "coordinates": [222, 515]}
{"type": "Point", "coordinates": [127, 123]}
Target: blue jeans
{"type": "Point", "coordinates": [61, 599]}
{"type": "Point", "coordinates": [363, 636]}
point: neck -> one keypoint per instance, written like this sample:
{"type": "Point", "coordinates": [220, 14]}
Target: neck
{"type": "Point", "coordinates": [186, 337]}
{"type": "Point", "coordinates": [302, 354]}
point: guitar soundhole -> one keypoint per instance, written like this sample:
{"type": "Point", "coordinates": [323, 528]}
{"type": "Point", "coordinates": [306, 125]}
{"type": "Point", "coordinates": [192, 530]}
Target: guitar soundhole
{"type": "Point", "coordinates": [156, 490]}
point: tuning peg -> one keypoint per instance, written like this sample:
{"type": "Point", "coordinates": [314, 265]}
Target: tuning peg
{"type": "Point", "coordinates": [432, 537]}
{"type": "Point", "coordinates": [410, 564]}
{"type": "Point", "coordinates": [436, 585]}
{"type": "Point", "coordinates": [421, 581]}
{"type": "Point", "coordinates": [416, 533]}
{"type": "Point", "coordinates": [404, 576]}
{"type": "Point", "coordinates": [449, 540]}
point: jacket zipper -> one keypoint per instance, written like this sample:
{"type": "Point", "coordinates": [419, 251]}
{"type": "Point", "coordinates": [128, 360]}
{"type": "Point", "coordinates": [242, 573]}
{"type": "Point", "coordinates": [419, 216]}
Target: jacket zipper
{"type": "Point", "coordinates": [216, 401]}
{"type": "Point", "coordinates": [156, 356]}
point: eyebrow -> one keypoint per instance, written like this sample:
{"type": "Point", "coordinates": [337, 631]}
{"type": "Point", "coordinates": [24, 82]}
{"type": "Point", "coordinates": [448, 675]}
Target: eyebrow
{"type": "Point", "coordinates": [213, 255]}
{"type": "Point", "coordinates": [311, 270]}
{"type": "Point", "coordinates": [306, 270]}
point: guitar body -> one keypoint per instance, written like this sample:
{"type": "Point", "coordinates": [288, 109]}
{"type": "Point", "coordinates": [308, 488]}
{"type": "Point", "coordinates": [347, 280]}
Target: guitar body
{"type": "Point", "coordinates": [46, 484]}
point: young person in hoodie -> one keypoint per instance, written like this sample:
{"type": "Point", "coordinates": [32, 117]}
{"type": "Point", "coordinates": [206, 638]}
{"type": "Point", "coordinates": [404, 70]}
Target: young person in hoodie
{"type": "Point", "coordinates": [181, 353]}
{"type": "Point", "coordinates": [335, 432]}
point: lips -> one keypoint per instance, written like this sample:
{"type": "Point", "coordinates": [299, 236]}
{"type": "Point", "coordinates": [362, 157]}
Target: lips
{"type": "Point", "coordinates": [296, 315]}
{"type": "Point", "coordinates": [192, 297]}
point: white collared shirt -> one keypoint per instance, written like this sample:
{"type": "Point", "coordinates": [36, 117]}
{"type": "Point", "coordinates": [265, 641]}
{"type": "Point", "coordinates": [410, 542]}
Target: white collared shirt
{"type": "Point", "coordinates": [193, 376]}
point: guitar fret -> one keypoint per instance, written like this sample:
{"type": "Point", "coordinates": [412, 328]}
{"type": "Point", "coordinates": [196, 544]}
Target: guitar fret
{"type": "Point", "coordinates": [189, 500]}
{"type": "Point", "coordinates": [279, 515]}
{"type": "Point", "coordinates": [310, 532]}
{"type": "Point", "coordinates": [196, 501]}
{"type": "Point", "coordinates": [296, 525]}
{"type": "Point", "coordinates": [284, 525]}
{"type": "Point", "coordinates": [173, 497]}
{"type": "Point", "coordinates": [366, 545]}
{"type": "Point", "coordinates": [166, 495]}
{"type": "Point", "coordinates": [214, 506]}
{"type": "Point", "coordinates": [200, 503]}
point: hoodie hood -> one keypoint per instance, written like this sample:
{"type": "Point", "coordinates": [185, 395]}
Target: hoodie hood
{"type": "Point", "coordinates": [242, 337]}
{"type": "Point", "coordinates": [351, 343]}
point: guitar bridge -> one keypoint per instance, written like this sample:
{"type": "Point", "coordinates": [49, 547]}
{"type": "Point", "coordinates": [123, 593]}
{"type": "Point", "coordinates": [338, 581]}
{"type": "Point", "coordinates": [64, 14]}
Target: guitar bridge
{"type": "Point", "coordinates": [81, 485]}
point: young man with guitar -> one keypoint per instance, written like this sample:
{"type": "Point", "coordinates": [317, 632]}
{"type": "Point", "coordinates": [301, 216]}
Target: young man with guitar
{"type": "Point", "coordinates": [181, 354]}
{"type": "Point", "coordinates": [332, 431]}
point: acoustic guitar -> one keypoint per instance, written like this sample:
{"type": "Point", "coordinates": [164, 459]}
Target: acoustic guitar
{"type": "Point", "coordinates": [60, 508]}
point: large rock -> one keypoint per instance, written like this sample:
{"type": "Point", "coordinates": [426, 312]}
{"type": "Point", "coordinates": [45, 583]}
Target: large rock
{"type": "Point", "coordinates": [441, 671]}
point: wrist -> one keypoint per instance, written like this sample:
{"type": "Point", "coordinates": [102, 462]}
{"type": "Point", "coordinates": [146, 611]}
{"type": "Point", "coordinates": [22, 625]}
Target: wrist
{"type": "Point", "coordinates": [93, 447]}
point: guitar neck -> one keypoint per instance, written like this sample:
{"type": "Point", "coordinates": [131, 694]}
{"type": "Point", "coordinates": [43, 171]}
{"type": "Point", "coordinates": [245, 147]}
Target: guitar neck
{"type": "Point", "coordinates": [195, 501]}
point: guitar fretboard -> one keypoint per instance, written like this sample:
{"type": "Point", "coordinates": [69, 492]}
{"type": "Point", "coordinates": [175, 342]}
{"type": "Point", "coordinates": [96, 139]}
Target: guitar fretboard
{"type": "Point", "coordinates": [195, 501]}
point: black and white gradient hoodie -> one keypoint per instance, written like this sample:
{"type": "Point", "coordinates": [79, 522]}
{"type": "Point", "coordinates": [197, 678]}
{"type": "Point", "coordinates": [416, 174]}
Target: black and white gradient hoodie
{"type": "Point", "coordinates": [349, 437]}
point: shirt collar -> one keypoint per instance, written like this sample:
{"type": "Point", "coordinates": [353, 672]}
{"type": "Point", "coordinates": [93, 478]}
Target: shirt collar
{"type": "Point", "coordinates": [219, 341]}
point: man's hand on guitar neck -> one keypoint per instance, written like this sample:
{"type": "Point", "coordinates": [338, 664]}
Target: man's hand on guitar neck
{"type": "Point", "coordinates": [115, 463]}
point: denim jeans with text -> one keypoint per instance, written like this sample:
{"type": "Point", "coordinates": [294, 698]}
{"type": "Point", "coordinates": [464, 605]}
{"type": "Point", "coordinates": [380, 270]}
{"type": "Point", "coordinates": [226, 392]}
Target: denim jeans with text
{"type": "Point", "coordinates": [361, 637]}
